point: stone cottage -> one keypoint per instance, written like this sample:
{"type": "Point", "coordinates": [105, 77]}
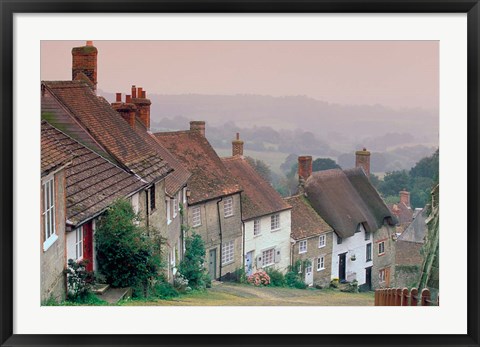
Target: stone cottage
{"type": "Point", "coordinates": [265, 216]}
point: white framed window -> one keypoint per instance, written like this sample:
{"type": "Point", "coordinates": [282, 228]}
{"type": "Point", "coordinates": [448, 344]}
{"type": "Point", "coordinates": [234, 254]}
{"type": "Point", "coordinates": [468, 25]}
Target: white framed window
{"type": "Point", "coordinates": [169, 218]}
{"type": "Point", "coordinates": [381, 248]}
{"type": "Point", "coordinates": [256, 227]}
{"type": "Point", "coordinates": [268, 257]}
{"type": "Point", "coordinates": [381, 275]}
{"type": "Point", "coordinates": [308, 268]}
{"type": "Point", "coordinates": [302, 246]}
{"type": "Point", "coordinates": [175, 207]}
{"type": "Point", "coordinates": [322, 241]}
{"type": "Point", "coordinates": [228, 207]}
{"type": "Point", "coordinates": [275, 222]}
{"type": "Point", "coordinates": [228, 252]}
{"type": "Point", "coordinates": [321, 263]}
{"type": "Point", "coordinates": [49, 214]}
{"type": "Point", "coordinates": [79, 243]}
{"type": "Point", "coordinates": [367, 235]}
{"type": "Point", "coordinates": [196, 216]}
{"type": "Point", "coordinates": [300, 268]}
{"type": "Point", "coordinates": [368, 255]}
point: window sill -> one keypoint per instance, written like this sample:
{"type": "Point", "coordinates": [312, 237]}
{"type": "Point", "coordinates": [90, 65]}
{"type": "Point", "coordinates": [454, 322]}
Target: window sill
{"type": "Point", "coordinates": [49, 242]}
{"type": "Point", "coordinates": [272, 230]}
{"type": "Point", "coordinates": [228, 216]}
{"type": "Point", "coordinates": [196, 226]}
{"type": "Point", "coordinates": [302, 252]}
{"type": "Point", "coordinates": [381, 255]}
{"type": "Point", "coordinates": [318, 270]}
{"type": "Point", "coordinates": [169, 222]}
{"type": "Point", "coordinates": [228, 263]}
{"type": "Point", "coordinates": [321, 246]}
{"type": "Point", "coordinates": [267, 265]}
{"type": "Point", "coordinates": [257, 235]}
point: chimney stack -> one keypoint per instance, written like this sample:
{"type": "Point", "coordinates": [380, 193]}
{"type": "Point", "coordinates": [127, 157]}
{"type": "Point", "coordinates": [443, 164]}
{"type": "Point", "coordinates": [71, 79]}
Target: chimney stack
{"type": "Point", "coordinates": [304, 171]}
{"type": "Point", "coordinates": [139, 98]}
{"type": "Point", "coordinates": [84, 61]}
{"type": "Point", "coordinates": [198, 126]}
{"type": "Point", "coordinates": [237, 146]}
{"type": "Point", "coordinates": [362, 160]}
{"type": "Point", "coordinates": [134, 92]}
{"type": "Point", "coordinates": [405, 197]}
{"type": "Point", "coordinates": [126, 109]}
{"type": "Point", "coordinates": [119, 97]}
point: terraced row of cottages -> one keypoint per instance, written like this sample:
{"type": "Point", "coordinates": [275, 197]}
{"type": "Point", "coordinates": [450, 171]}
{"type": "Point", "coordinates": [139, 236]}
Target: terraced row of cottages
{"type": "Point", "coordinates": [94, 152]}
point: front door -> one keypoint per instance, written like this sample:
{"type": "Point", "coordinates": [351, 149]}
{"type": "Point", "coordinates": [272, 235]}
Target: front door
{"type": "Point", "coordinates": [88, 245]}
{"type": "Point", "coordinates": [387, 277]}
{"type": "Point", "coordinates": [341, 267]}
{"type": "Point", "coordinates": [309, 273]}
{"type": "Point", "coordinates": [249, 263]}
{"type": "Point", "coordinates": [212, 263]}
{"type": "Point", "coordinates": [368, 277]}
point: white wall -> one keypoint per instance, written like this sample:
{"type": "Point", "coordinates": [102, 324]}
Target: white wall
{"type": "Point", "coordinates": [355, 244]}
{"type": "Point", "coordinates": [267, 239]}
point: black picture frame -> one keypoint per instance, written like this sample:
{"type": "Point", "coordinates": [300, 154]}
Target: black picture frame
{"type": "Point", "coordinates": [10, 7]}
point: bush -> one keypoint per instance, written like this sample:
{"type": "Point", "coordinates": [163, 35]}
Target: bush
{"type": "Point", "coordinates": [352, 287]}
{"type": "Point", "coordinates": [277, 279]}
{"type": "Point", "coordinates": [293, 278]}
{"type": "Point", "coordinates": [79, 280]}
{"type": "Point", "coordinates": [180, 282]}
{"type": "Point", "coordinates": [334, 283]}
{"type": "Point", "coordinates": [191, 266]}
{"type": "Point", "coordinates": [240, 275]}
{"type": "Point", "coordinates": [259, 278]}
{"type": "Point", "coordinates": [127, 256]}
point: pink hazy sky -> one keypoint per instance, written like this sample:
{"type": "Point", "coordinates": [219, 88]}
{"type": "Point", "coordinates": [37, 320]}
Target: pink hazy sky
{"type": "Point", "coordinates": [396, 74]}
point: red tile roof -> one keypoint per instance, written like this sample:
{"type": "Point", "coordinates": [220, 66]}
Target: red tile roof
{"type": "Point", "coordinates": [403, 213]}
{"type": "Point", "coordinates": [210, 178]}
{"type": "Point", "coordinates": [53, 154]}
{"type": "Point", "coordinates": [306, 222]}
{"type": "Point", "coordinates": [176, 179]}
{"type": "Point", "coordinates": [108, 129]}
{"type": "Point", "coordinates": [258, 198]}
{"type": "Point", "coordinates": [92, 182]}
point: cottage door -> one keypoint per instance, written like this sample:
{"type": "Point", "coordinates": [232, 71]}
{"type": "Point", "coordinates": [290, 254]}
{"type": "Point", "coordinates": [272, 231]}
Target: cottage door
{"type": "Point", "coordinates": [368, 277]}
{"type": "Point", "coordinates": [88, 245]}
{"type": "Point", "coordinates": [341, 267]}
{"type": "Point", "coordinates": [249, 263]}
{"type": "Point", "coordinates": [212, 263]}
{"type": "Point", "coordinates": [309, 274]}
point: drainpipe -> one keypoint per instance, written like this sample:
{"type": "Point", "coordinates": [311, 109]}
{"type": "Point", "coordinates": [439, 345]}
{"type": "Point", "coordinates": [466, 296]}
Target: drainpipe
{"type": "Point", "coordinates": [146, 207]}
{"type": "Point", "coordinates": [221, 236]}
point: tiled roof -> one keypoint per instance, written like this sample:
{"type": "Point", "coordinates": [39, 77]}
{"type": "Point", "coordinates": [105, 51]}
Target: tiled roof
{"type": "Point", "coordinates": [403, 213]}
{"type": "Point", "coordinates": [92, 182]}
{"type": "Point", "coordinates": [108, 129]}
{"type": "Point", "coordinates": [345, 199]}
{"type": "Point", "coordinates": [210, 178]}
{"type": "Point", "coordinates": [258, 198]}
{"type": "Point", "coordinates": [306, 222]}
{"type": "Point", "coordinates": [179, 176]}
{"type": "Point", "coordinates": [415, 232]}
{"type": "Point", "coordinates": [53, 154]}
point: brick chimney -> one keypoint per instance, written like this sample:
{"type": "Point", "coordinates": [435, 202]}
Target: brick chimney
{"type": "Point", "coordinates": [362, 159]}
{"type": "Point", "coordinates": [304, 171]}
{"type": "Point", "coordinates": [139, 98]}
{"type": "Point", "coordinates": [198, 125]}
{"type": "Point", "coordinates": [405, 197]}
{"type": "Point", "coordinates": [84, 61]}
{"type": "Point", "coordinates": [127, 109]}
{"type": "Point", "coordinates": [237, 146]}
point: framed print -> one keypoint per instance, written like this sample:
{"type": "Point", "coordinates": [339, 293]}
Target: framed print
{"type": "Point", "coordinates": [249, 173]}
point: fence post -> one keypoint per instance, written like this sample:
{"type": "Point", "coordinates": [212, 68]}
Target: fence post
{"type": "Point", "coordinates": [425, 297]}
{"type": "Point", "coordinates": [414, 297]}
{"type": "Point", "coordinates": [376, 297]}
{"type": "Point", "coordinates": [398, 301]}
{"type": "Point", "coordinates": [392, 296]}
{"type": "Point", "coordinates": [405, 297]}
{"type": "Point", "coordinates": [383, 294]}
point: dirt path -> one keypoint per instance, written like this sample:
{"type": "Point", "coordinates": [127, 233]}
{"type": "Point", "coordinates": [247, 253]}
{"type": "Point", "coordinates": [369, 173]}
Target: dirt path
{"type": "Point", "coordinates": [230, 294]}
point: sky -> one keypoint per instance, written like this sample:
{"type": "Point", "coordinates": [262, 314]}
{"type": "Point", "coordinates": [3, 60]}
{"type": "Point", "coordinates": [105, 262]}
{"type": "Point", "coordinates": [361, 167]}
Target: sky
{"type": "Point", "coordinates": [396, 74]}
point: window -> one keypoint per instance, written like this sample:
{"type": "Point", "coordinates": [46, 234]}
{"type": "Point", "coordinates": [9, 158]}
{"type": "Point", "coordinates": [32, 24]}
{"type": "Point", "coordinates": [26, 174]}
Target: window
{"type": "Point", "coordinates": [228, 207]}
{"type": "Point", "coordinates": [300, 268]}
{"type": "Point", "coordinates": [339, 240]}
{"type": "Point", "coordinates": [381, 248]}
{"type": "Point", "coordinates": [49, 214]}
{"type": "Point", "coordinates": [175, 207]}
{"type": "Point", "coordinates": [268, 257]}
{"type": "Point", "coordinates": [302, 248]}
{"type": "Point", "coordinates": [367, 235]}
{"type": "Point", "coordinates": [196, 217]}
{"type": "Point", "coordinates": [321, 241]}
{"type": "Point", "coordinates": [79, 243]}
{"type": "Point", "coordinates": [167, 204]}
{"type": "Point", "coordinates": [256, 227]}
{"type": "Point", "coordinates": [359, 228]}
{"type": "Point", "coordinates": [152, 198]}
{"type": "Point", "coordinates": [228, 252]}
{"type": "Point", "coordinates": [321, 263]}
{"type": "Point", "coordinates": [275, 222]}
{"type": "Point", "coordinates": [184, 192]}
{"type": "Point", "coordinates": [381, 275]}
{"type": "Point", "coordinates": [369, 252]}
{"type": "Point", "coordinates": [308, 268]}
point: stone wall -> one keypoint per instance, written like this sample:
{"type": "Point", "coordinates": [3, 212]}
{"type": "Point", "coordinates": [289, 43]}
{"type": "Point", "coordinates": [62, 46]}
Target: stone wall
{"type": "Point", "coordinates": [384, 261]}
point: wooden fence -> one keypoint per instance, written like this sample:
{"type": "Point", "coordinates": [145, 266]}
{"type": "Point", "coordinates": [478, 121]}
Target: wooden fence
{"type": "Point", "coordinates": [403, 297]}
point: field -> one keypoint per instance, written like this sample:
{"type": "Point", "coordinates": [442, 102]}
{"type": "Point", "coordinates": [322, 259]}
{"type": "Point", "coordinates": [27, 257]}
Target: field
{"type": "Point", "coordinates": [232, 294]}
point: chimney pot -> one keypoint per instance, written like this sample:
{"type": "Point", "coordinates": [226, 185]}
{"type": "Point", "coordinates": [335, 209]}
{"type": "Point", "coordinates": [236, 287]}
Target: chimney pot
{"type": "Point", "coordinates": [128, 99]}
{"type": "Point", "coordinates": [89, 43]}
{"type": "Point", "coordinates": [237, 146]}
{"type": "Point", "coordinates": [134, 92]}
{"type": "Point", "coordinates": [198, 126]}
{"type": "Point", "coordinates": [144, 94]}
{"type": "Point", "coordinates": [119, 97]}
{"type": "Point", "coordinates": [139, 92]}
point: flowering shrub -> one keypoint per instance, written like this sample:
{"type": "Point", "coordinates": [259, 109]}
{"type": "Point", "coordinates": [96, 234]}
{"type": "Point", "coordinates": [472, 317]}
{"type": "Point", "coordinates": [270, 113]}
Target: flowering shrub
{"type": "Point", "coordinates": [180, 282]}
{"type": "Point", "coordinates": [259, 278]}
